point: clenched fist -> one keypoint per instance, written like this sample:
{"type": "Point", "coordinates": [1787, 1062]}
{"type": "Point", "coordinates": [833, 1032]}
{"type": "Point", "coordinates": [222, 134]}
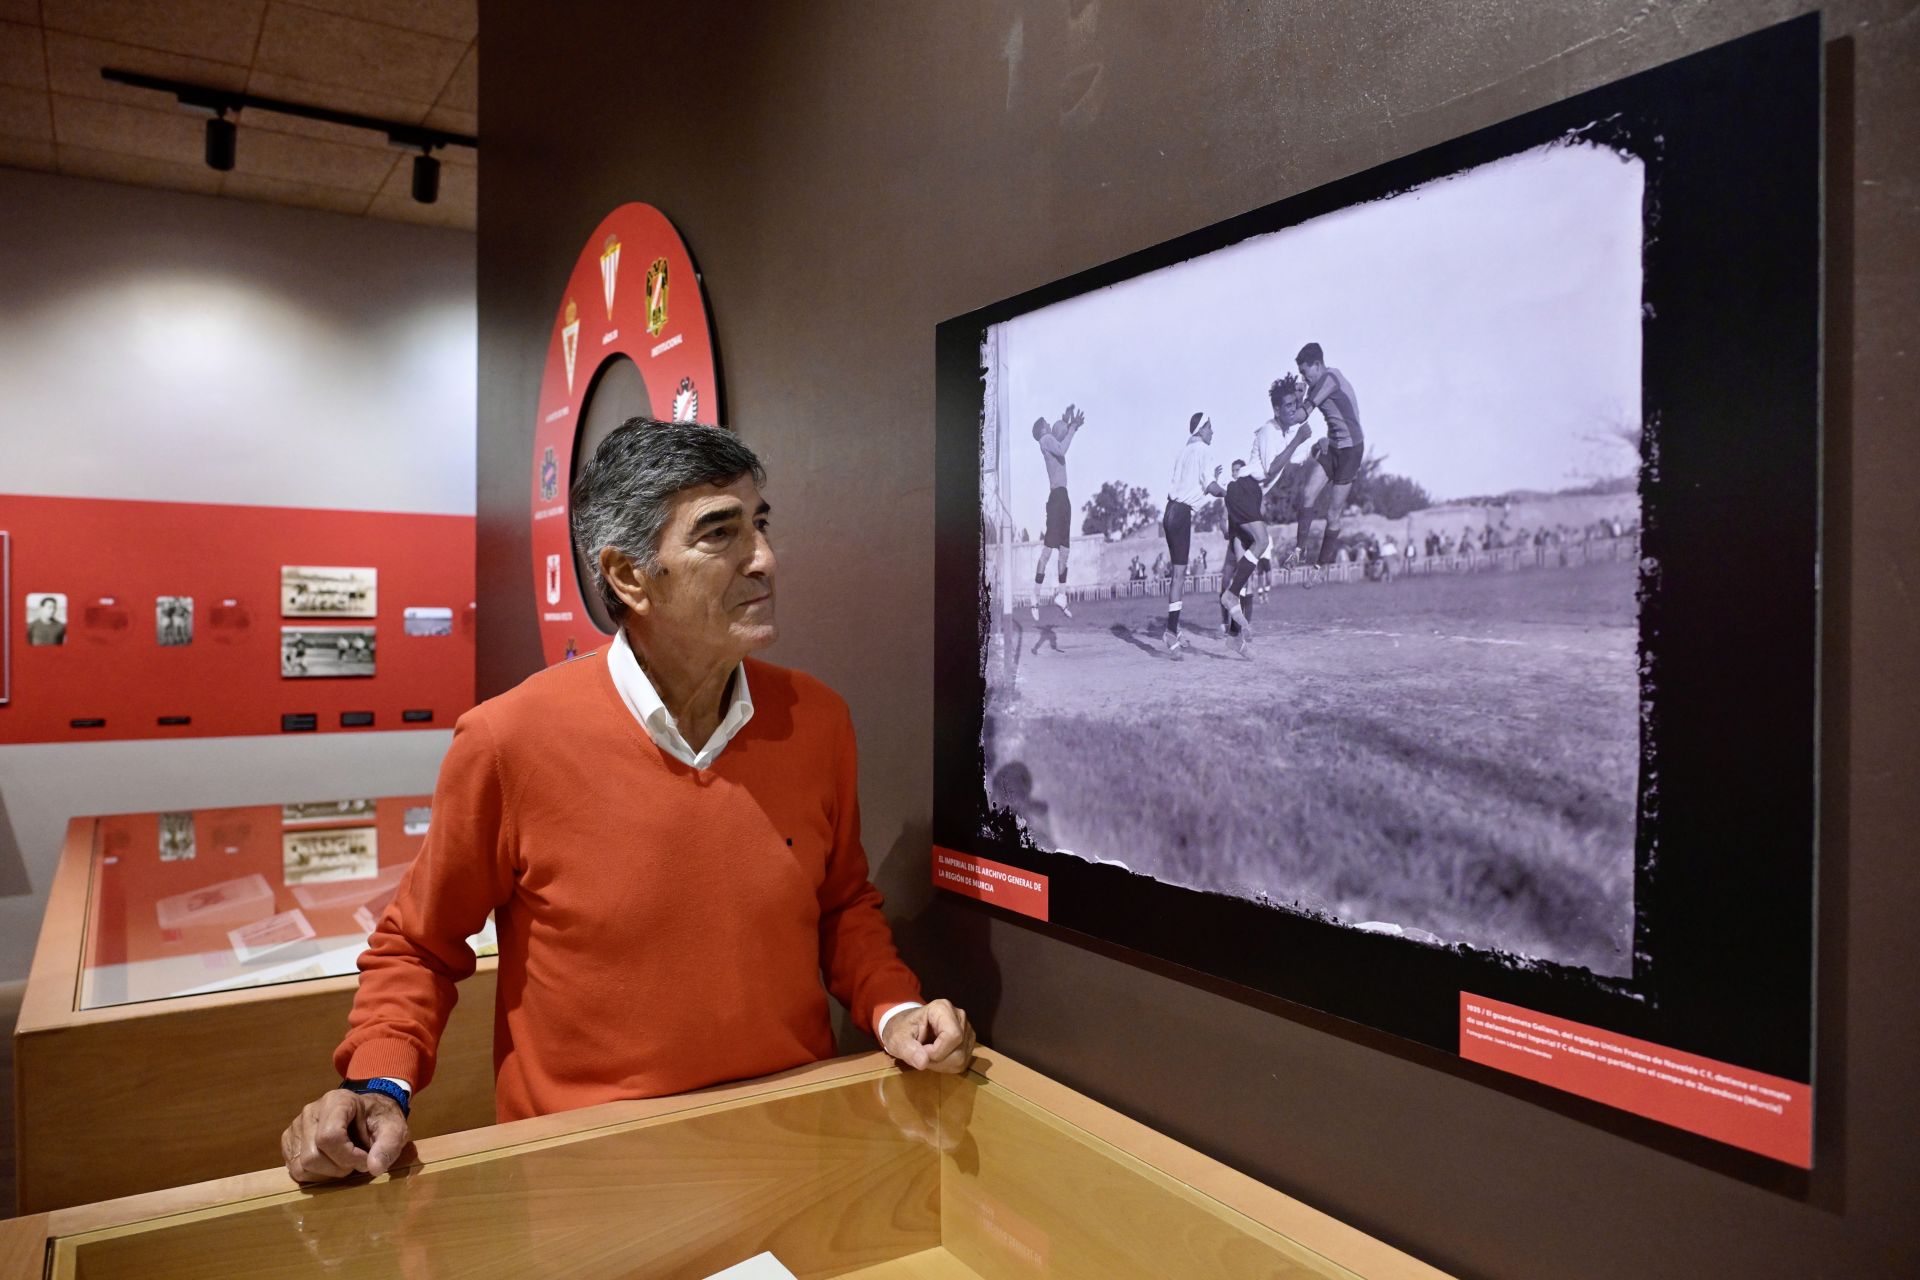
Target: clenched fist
{"type": "Point", "coordinates": [934, 1037]}
{"type": "Point", "coordinates": [345, 1133]}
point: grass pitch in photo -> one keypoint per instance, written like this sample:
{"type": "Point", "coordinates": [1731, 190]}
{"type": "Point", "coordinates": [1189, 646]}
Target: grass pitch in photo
{"type": "Point", "coordinates": [1312, 564]}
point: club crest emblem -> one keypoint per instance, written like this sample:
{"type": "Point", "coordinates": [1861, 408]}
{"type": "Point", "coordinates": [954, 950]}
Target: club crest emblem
{"type": "Point", "coordinates": [657, 296]}
{"type": "Point", "coordinates": [553, 579]}
{"type": "Point", "coordinates": [686, 402]}
{"type": "Point", "coordinates": [570, 340]}
{"type": "Point", "coordinates": [610, 269]}
{"type": "Point", "coordinates": [549, 477]}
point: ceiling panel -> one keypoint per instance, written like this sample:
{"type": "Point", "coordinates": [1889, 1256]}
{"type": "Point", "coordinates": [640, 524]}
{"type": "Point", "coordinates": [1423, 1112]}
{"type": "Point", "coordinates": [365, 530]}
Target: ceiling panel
{"type": "Point", "coordinates": [74, 62]}
{"type": "Point", "coordinates": [112, 126]}
{"type": "Point", "coordinates": [26, 153]}
{"type": "Point", "coordinates": [465, 123]}
{"type": "Point", "coordinates": [462, 91]}
{"type": "Point", "coordinates": [305, 195]}
{"type": "Point", "coordinates": [454, 19]}
{"type": "Point", "coordinates": [24, 114]}
{"type": "Point", "coordinates": [327, 49]}
{"type": "Point", "coordinates": [408, 61]}
{"type": "Point", "coordinates": [224, 30]}
{"type": "Point", "coordinates": [315, 161]}
{"type": "Point", "coordinates": [145, 171]}
{"type": "Point", "coordinates": [22, 65]}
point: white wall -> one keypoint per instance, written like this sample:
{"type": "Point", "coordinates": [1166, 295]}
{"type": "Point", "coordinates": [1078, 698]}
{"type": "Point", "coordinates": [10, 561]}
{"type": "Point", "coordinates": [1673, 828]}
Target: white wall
{"type": "Point", "coordinates": [164, 346]}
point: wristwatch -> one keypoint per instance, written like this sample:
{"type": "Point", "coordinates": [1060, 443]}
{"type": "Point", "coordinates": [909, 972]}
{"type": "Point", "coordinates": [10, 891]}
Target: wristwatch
{"type": "Point", "coordinates": [385, 1088]}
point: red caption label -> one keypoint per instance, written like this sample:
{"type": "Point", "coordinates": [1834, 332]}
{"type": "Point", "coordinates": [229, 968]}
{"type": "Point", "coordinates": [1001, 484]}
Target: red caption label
{"type": "Point", "coordinates": [990, 881]}
{"type": "Point", "coordinates": [1730, 1104]}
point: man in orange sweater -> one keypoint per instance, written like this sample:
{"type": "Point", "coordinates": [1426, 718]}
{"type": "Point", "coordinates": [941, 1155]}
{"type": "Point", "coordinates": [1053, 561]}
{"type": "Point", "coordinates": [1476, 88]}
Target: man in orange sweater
{"type": "Point", "coordinates": [667, 832]}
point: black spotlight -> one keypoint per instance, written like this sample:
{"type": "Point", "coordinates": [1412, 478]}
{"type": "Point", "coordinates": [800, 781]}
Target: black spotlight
{"type": "Point", "coordinates": [426, 178]}
{"type": "Point", "coordinates": [220, 144]}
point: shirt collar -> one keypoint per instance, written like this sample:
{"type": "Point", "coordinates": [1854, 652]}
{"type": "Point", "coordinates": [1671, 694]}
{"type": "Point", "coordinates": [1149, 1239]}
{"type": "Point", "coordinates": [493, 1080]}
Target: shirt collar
{"type": "Point", "coordinates": [643, 700]}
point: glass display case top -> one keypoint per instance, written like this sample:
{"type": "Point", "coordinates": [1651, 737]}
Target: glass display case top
{"type": "Point", "coordinates": [884, 1176]}
{"type": "Point", "coordinates": [190, 902]}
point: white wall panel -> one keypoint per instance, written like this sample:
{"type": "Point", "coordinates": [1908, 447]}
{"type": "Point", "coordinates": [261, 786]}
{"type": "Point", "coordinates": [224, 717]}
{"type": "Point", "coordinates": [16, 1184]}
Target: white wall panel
{"type": "Point", "coordinates": [168, 346]}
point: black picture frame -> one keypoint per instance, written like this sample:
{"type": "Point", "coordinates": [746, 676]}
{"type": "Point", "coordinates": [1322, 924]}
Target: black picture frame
{"type": "Point", "coordinates": [1726, 858]}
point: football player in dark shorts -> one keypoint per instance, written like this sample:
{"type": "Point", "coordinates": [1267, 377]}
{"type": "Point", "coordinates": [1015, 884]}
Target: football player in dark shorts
{"type": "Point", "coordinates": [1195, 476]}
{"type": "Point", "coordinates": [1246, 537]}
{"type": "Point", "coordinates": [1054, 441]}
{"type": "Point", "coordinates": [1329, 391]}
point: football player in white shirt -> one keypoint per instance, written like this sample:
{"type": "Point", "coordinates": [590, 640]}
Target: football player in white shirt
{"type": "Point", "coordinates": [1272, 449]}
{"type": "Point", "coordinates": [1268, 461]}
{"type": "Point", "coordinates": [1195, 475]}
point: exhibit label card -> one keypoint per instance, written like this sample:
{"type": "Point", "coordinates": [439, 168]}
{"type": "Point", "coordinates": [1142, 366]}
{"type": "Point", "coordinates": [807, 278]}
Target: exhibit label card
{"type": "Point", "coordinates": [761, 1266]}
{"type": "Point", "coordinates": [988, 881]}
{"type": "Point", "coordinates": [1730, 1104]}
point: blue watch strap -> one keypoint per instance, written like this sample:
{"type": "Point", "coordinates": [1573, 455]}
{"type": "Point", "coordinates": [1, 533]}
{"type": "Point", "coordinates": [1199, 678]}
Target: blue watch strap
{"type": "Point", "coordinates": [385, 1088]}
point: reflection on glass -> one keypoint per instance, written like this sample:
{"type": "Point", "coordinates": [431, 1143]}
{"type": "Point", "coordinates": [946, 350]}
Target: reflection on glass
{"type": "Point", "coordinates": [183, 904]}
{"type": "Point", "coordinates": [886, 1174]}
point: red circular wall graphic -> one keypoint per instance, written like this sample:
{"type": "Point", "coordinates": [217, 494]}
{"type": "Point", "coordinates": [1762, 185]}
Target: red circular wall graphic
{"type": "Point", "coordinates": [632, 293]}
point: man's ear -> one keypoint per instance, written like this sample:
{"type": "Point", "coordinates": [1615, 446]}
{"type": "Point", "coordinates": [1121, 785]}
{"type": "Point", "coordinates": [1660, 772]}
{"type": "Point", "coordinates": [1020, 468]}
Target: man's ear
{"type": "Point", "coordinates": [629, 581]}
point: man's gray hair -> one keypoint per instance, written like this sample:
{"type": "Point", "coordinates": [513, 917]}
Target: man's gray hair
{"type": "Point", "coordinates": [624, 492]}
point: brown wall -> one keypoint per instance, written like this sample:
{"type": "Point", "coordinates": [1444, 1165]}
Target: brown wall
{"type": "Point", "coordinates": [850, 174]}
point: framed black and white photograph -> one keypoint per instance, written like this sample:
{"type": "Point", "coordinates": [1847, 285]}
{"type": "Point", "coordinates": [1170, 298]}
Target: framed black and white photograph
{"type": "Point", "coordinates": [312, 591]}
{"type": "Point", "coordinates": [1476, 711]}
{"type": "Point", "coordinates": [316, 857]}
{"type": "Point", "coordinates": [46, 618]}
{"type": "Point", "coordinates": [1344, 599]}
{"type": "Point", "coordinates": [177, 843]}
{"type": "Point", "coordinates": [173, 620]}
{"type": "Point", "coordinates": [313, 652]}
{"type": "Point", "coordinates": [427, 620]}
{"type": "Point", "coordinates": [311, 812]}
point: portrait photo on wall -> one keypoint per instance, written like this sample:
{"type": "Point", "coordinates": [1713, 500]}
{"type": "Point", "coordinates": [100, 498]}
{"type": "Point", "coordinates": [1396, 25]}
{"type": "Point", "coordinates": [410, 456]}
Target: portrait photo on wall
{"type": "Point", "coordinates": [46, 617]}
{"type": "Point", "coordinates": [309, 652]}
{"type": "Point", "coordinates": [176, 837]}
{"type": "Point", "coordinates": [1340, 599]}
{"type": "Point", "coordinates": [173, 620]}
{"type": "Point", "coordinates": [308, 591]}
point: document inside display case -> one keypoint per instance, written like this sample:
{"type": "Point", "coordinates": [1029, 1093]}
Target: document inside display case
{"type": "Point", "coordinates": [189, 903]}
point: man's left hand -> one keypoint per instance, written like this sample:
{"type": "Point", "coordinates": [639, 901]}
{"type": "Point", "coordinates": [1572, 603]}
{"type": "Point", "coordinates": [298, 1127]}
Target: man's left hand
{"type": "Point", "coordinates": [934, 1037]}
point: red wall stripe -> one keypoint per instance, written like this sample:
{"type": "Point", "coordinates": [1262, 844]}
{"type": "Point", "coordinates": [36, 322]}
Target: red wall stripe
{"type": "Point", "coordinates": [227, 681]}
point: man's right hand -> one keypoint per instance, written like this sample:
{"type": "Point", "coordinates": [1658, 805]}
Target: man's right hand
{"type": "Point", "coordinates": [342, 1134]}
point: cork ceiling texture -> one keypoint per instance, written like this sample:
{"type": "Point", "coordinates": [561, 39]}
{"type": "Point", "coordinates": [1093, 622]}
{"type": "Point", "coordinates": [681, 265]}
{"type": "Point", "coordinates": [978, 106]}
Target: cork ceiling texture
{"type": "Point", "coordinates": [411, 61]}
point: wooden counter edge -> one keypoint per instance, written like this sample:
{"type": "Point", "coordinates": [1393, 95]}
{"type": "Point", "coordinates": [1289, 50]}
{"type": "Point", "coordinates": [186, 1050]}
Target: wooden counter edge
{"type": "Point", "coordinates": [53, 978]}
{"type": "Point", "coordinates": [23, 1241]}
{"type": "Point", "coordinates": [15, 1248]}
{"type": "Point", "coordinates": [1324, 1234]}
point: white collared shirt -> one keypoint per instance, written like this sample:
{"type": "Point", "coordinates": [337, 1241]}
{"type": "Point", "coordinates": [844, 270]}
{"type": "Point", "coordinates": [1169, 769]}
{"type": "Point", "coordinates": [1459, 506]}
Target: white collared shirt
{"type": "Point", "coordinates": [637, 691]}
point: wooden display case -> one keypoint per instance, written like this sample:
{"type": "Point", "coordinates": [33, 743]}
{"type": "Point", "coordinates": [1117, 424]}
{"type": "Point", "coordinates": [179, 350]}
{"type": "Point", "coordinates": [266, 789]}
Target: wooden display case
{"type": "Point", "coordinates": [193, 975]}
{"type": "Point", "coordinates": [845, 1168]}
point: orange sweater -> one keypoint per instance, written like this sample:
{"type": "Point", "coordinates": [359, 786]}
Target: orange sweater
{"type": "Point", "coordinates": [661, 928]}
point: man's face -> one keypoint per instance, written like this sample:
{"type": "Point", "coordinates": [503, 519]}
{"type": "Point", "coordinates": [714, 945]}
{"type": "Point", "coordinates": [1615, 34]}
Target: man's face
{"type": "Point", "coordinates": [1311, 371]}
{"type": "Point", "coordinates": [713, 593]}
{"type": "Point", "coordinates": [1206, 431]}
{"type": "Point", "coordinates": [1238, 467]}
{"type": "Point", "coordinates": [48, 609]}
{"type": "Point", "coordinates": [1290, 411]}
